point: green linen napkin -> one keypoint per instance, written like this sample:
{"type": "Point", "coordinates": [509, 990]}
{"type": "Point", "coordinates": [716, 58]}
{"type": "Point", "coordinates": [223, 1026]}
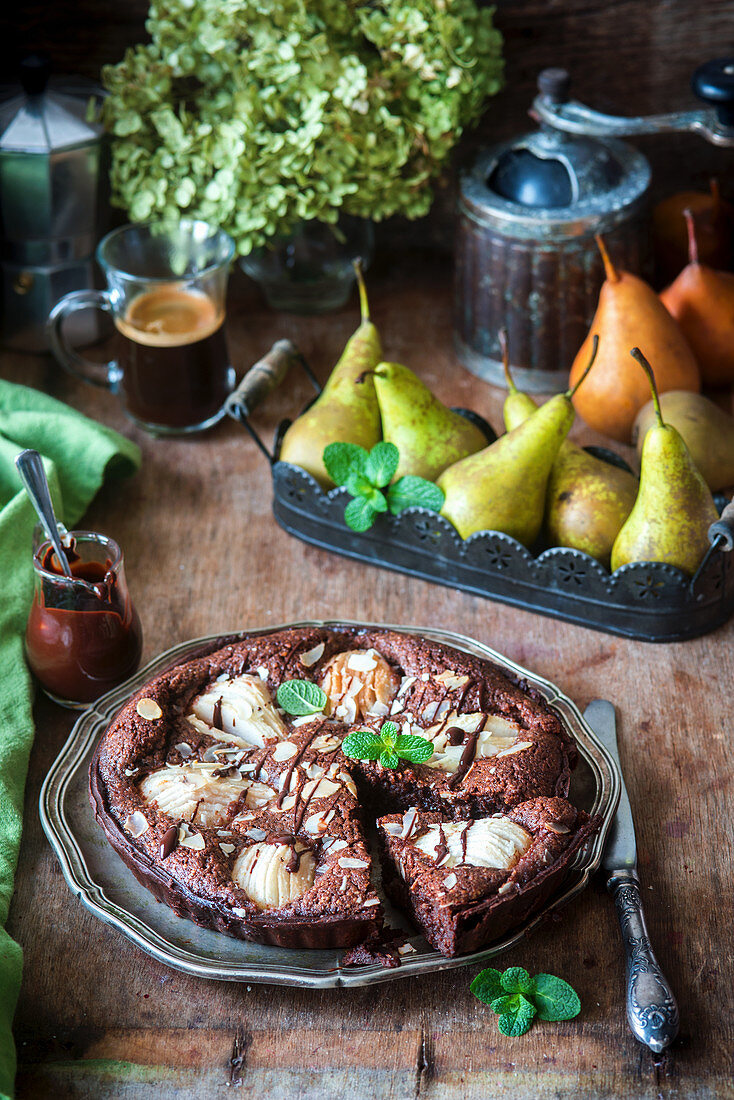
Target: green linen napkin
{"type": "Point", "coordinates": [77, 454]}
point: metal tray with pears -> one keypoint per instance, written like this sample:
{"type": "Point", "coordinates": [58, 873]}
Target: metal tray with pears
{"type": "Point", "coordinates": [648, 601]}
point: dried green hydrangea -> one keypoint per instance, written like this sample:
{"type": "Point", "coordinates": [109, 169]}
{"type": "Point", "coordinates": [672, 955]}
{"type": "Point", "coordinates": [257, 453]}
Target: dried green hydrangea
{"type": "Point", "coordinates": [256, 115]}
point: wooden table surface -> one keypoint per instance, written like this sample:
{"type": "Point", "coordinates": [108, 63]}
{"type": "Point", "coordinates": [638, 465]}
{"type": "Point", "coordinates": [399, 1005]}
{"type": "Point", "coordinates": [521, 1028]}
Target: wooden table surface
{"type": "Point", "coordinates": [98, 1018]}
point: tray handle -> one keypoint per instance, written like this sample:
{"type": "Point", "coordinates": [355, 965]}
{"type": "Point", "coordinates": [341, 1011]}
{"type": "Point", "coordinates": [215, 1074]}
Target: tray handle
{"type": "Point", "coordinates": [260, 381]}
{"type": "Point", "coordinates": [723, 528]}
{"type": "Point", "coordinates": [721, 537]}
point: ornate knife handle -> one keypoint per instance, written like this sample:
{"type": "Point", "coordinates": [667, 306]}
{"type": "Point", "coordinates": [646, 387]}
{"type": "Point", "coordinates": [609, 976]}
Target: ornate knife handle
{"type": "Point", "coordinates": [651, 1008]}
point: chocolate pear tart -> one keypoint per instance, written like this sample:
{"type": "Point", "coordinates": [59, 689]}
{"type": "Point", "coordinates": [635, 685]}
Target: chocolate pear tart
{"type": "Point", "coordinates": [249, 818]}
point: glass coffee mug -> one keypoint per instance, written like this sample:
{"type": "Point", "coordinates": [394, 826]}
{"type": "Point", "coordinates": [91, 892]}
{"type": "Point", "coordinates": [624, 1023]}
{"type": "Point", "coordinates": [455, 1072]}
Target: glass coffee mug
{"type": "Point", "coordinates": [166, 286]}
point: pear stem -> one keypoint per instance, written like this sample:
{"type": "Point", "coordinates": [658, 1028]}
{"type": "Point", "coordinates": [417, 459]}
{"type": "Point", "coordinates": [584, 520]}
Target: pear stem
{"type": "Point", "coordinates": [609, 269]}
{"type": "Point", "coordinates": [363, 303]}
{"type": "Point", "coordinates": [502, 337]}
{"type": "Point", "coordinates": [594, 349]}
{"type": "Point", "coordinates": [692, 242]}
{"type": "Point", "coordinates": [637, 354]}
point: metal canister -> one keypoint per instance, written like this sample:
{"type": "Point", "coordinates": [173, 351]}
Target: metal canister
{"type": "Point", "coordinates": [526, 256]}
{"type": "Point", "coordinates": [53, 200]}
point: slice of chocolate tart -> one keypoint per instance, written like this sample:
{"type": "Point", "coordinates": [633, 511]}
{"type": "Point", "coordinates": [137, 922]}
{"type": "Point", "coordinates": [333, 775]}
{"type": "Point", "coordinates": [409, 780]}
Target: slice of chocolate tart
{"type": "Point", "coordinates": [466, 883]}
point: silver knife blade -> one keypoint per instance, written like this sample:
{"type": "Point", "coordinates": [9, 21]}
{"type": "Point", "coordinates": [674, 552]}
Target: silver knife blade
{"type": "Point", "coordinates": [621, 847]}
{"type": "Point", "coordinates": [652, 1011]}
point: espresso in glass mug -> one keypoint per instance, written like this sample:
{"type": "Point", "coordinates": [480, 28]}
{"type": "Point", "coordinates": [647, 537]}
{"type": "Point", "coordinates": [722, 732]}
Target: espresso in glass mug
{"type": "Point", "coordinates": [166, 288]}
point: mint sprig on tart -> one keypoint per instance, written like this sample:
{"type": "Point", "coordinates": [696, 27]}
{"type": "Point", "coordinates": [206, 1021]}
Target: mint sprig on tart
{"type": "Point", "coordinates": [301, 697]}
{"type": "Point", "coordinates": [388, 747]}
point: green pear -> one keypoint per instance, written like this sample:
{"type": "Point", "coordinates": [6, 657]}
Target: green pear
{"type": "Point", "coordinates": [587, 502]}
{"type": "Point", "coordinates": [708, 433]}
{"type": "Point", "coordinates": [502, 488]}
{"type": "Point", "coordinates": [346, 410]}
{"type": "Point", "coordinates": [674, 507]}
{"type": "Point", "coordinates": [518, 406]}
{"type": "Point", "coordinates": [428, 435]}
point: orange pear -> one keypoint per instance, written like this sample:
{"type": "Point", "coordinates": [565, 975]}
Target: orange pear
{"type": "Point", "coordinates": [715, 225]}
{"type": "Point", "coordinates": [702, 301]}
{"type": "Point", "coordinates": [629, 313]}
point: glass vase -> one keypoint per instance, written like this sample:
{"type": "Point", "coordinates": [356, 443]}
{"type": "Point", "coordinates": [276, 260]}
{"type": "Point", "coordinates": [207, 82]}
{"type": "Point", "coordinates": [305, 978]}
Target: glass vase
{"type": "Point", "coordinates": [312, 269]}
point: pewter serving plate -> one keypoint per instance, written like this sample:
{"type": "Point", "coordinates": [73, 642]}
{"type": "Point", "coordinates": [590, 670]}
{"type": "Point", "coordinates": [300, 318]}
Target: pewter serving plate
{"type": "Point", "coordinates": [109, 890]}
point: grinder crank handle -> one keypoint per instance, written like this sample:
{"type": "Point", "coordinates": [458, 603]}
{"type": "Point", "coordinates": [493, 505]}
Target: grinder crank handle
{"type": "Point", "coordinates": [652, 1011]}
{"type": "Point", "coordinates": [712, 82]}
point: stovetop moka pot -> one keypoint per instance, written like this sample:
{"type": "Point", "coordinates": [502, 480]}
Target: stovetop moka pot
{"type": "Point", "coordinates": [53, 200]}
{"type": "Point", "coordinates": [529, 209]}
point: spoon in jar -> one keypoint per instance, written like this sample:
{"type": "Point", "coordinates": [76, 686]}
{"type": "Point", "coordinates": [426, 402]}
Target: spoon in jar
{"type": "Point", "coordinates": [33, 476]}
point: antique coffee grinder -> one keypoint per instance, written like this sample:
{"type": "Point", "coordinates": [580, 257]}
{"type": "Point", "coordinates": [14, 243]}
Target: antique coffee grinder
{"type": "Point", "coordinates": [529, 209]}
{"type": "Point", "coordinates": [53, 201]}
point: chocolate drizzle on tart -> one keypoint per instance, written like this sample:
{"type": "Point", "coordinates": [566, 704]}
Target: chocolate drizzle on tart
{"type": "Point", "coordinates": [251, 822]}
{"type": "Point", "coordinates": [466, 760]}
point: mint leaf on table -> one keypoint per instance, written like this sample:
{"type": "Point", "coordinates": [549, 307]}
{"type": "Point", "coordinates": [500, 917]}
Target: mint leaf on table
{"type": "Point", "coordinates": [487, 985]}
{"type": "Point", "coordinates": [382, 463]}
{"type": "Point", "coordinates": [412, 492]}
{"type": "Point", "coordinates": [516, 1018]}
{"type": "Point", "coordinates": [359, 514]}
{"type": "Point", "coordinates": [519, 999]}
{"type": "Point", "coordinates": [554, 998]}
{"type": "Point", "coordinates": [343, 459]}
{"type": "Point", "coordinates": [377, 500]}
{"type": "Point", "coordinates": [517, 980]}
{"type": "Point", "coordinates": [301, 697]}
{"type": "Point", "coordinates": [388, 746]}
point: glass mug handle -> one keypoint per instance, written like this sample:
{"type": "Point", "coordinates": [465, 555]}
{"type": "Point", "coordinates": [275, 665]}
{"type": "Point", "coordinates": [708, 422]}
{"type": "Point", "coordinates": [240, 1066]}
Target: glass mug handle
{"type": "Point", "coordinates": [107, 375]}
